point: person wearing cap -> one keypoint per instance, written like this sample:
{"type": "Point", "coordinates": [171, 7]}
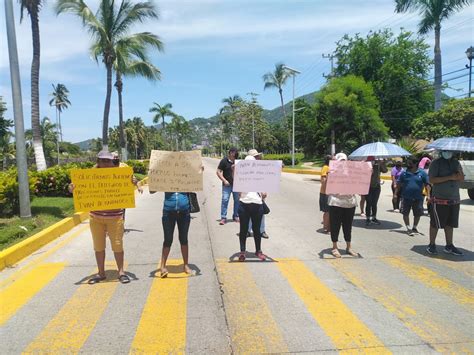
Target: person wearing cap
{"type": "Point", "coordinates": [225, 173]}
{"type": "Point", "coordinates": [445, 175]}
{"type": "Point", "coordinates": [372, 198]}
{"type": "Point", "coordinates": [395, 174]}
{"type": "Point", "coordinates": [103, 223]}
{"type": "Point", "coordinates": [251, 208]}
{"type": "Point", "coordinates": [341, 213]}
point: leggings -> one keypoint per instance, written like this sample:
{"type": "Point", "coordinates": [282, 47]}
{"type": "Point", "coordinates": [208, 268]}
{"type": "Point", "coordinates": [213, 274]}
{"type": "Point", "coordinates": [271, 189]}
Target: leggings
{"type": "Point", "coordinates": [247, 212]}
{"type": "Point", "coordinates": [169, 220]}
{"type": "Point", "coordinates": [341, 216]}
{"type": "Point", "coordinates": [371, 202]}
{"type": "Point", "coordinates": [395, 198]}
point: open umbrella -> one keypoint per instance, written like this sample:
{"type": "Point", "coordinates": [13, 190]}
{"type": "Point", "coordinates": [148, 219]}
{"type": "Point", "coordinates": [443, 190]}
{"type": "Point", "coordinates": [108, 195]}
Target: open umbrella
{"type": "Point", "coordinates": [456, 144]}
{"type": "Point", "coordinates": [379, 150]}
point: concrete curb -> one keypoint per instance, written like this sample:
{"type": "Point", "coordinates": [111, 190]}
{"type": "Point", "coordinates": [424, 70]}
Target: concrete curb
{"type": "Point", "coordinates": [15, 253]}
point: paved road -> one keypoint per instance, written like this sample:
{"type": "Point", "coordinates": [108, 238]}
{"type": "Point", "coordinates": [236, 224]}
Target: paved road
{"type": "Point", "coordinates": [394, 298]}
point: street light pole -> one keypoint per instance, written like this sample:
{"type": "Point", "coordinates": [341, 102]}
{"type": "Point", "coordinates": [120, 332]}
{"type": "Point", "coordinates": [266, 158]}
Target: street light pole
{"type": "Point", "coordinates": [470, 55]}
{"type": "Point", "coordinates": [21, 163]}
{"type": "Point", "coordinates": [293, 73]}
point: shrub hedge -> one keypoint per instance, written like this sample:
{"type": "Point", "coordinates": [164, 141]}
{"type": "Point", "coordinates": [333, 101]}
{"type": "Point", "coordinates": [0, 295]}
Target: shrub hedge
{"type": "Point", "coordinates": [9, 194]}
{"type": "Point", "coordinates": [286, 158]}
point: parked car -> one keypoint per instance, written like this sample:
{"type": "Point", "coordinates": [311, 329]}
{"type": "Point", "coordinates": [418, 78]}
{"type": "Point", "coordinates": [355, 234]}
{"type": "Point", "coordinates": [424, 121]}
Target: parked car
{"type": "Point", "coordinates": [468, 183]}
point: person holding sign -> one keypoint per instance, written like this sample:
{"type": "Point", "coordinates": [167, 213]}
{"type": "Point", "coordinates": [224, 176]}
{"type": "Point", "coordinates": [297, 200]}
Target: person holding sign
{"type": "Point", "coordinates": [251, 208]}
{"type": "Point", "coordinates": [103, 223]}
{"type": "Point", "coordinates": [341, 213]}
{"type": "Point", "coordinates": [372, 197]}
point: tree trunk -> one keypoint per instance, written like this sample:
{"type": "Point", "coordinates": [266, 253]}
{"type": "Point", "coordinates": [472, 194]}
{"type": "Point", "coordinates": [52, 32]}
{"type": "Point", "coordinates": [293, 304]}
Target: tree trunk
{"type": "Point", "coordinates": [285, 120]}
{"type": "Point", "coordinates": [35, 67]}
{"type": "Point", "coordinates": [60, 127]}
{"type": "Point", "coordinates": [119, 87]}
{"type": "Point", "coordinates": [105, 123]}
{"type": "Point", "coordinates": [437, 67]}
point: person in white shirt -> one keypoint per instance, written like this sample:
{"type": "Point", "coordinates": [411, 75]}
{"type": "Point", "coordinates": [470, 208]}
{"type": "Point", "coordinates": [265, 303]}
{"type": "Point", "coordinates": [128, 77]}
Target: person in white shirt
{"type": "Point", "coordinates": [341, 213]}
{"type": "Point", "coordinates": [251, 208]}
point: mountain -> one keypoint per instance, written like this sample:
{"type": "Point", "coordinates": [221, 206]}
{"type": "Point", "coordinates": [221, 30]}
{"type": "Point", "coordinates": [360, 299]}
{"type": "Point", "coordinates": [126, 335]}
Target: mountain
{"type": "Point", "coordinates": [84, 145]}
{"type": "Point", "coordinates": [276, 115]}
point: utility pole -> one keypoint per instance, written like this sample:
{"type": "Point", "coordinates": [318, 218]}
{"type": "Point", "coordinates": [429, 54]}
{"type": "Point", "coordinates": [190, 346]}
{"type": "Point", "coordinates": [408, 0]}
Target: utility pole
{"type": "Point", "coordinates": [329, 76]}
{"type": "Point", "coordinates": [21, 163]}
{"type": "Point", "coordinates": [293, 73]}
{"type": "Point", "coordinates": [470, 55]}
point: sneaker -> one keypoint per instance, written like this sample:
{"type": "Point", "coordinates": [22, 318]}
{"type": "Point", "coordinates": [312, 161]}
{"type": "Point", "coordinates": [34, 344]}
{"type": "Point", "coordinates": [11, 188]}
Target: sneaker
{"type": "Point", "coordinates": [415, 231]}
{"type": "Point", "coordinates": [265, 235]}
{"type": "Point", "coordinates": [222, 221]}
{"type": "Point", "coordinates": [396, 210]}
{"type": "Point", "coordinates": [261, 256]}
{"type": "Point", "coordinates": [368, 222]}
{"type": "Point", "coordinates": [375, 221]}
{"type": "Point", "coordinates": [411, 232]}
{"type": "Point", "coordinates": [242, 256]}
{"type": "Point", "coordinates": [451, 249]}
{"type": "Point", "coordinates": [237, 220]}
{"type": "Point", "coordinates": [432, 249]}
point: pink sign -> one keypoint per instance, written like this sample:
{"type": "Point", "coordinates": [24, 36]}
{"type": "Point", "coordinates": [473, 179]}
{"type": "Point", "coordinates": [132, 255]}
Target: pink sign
{"type": "Point", "coordinates": [348, 177]}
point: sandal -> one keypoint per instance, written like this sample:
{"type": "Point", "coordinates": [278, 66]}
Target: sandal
{"type": "Point", "coordinates": [96, 279]}
{"type": "Point", "coordinates": [351, 252]}
{"type": "Point", "coordinates": [261, 256]}
{"type": "Point", "coordinates": [242, 256]}
{"type": "Point", "coordinates": [336, 253]}
{"type": "Point", "coordinates": [124, 279]}
{"type": "Point", "coordinates": [164, 274]}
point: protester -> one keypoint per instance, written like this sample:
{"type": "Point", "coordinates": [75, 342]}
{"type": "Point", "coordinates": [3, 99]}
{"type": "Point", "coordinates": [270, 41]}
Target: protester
{"type": "Point", "coordinates": [341, 213]}
{"type": "Point", "coordinates": [372, 198]}
{"type": "Point", "coordinates": [251, 208]}
{"type": "Point", "coordinates": [225, 172]}
{"type": "Point", "coordinates": [323, 197]}
{"type": "Point", "coordinates": [396, 172]}
{"type": "Point", "coordinates": [445, 174]}
{"type": "Point", "coordinates": [176, 209]}
{"type": "Point", "coordinates": [411, 183]}
{"type": "Point", "coordinates": [103, 223]}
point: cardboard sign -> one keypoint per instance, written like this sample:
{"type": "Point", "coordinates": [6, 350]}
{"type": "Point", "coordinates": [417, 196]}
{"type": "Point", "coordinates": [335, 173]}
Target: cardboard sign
{"type": "Point", "coordinates": [99, 189]}
{"type": "Point", "coordinates": [348, 177]}
{"type": "Point", "coordinates": [257, 176]}
{"type": "Point", "coordinates": [175, 171]}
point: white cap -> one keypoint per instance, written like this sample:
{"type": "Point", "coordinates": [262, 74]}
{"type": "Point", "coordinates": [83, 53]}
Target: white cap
{"type": "Point", "coordinates": [341, 156]}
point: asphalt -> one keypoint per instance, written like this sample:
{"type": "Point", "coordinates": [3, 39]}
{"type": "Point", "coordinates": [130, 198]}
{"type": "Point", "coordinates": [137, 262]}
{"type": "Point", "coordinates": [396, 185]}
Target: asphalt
{"type": "Point", "coordinates": [393, 298]}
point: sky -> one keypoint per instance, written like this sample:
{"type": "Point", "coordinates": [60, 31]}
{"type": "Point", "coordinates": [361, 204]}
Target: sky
{"type": "Point", "coordinates": [213, 49]}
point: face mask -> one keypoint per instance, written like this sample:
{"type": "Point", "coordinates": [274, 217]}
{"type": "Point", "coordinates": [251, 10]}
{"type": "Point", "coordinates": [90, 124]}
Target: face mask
{"type": "Point", "coordinates": [447, 155]}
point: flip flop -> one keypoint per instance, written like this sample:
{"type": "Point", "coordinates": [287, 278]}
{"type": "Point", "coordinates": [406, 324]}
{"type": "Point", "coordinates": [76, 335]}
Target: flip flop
{"type": "Point", "coordinates": [96, 279]}
{"type": "Point", "coordinates": [164, 274]}
{"type": "Point", "coordinates": [351, 252]}
{"type": "Point", "coordinates": [124, 279]}
{"type": "Point", "coordinates": [336, 253]}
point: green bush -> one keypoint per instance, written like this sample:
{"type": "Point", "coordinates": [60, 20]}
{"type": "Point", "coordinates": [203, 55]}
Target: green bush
{"type": "Point", "coordinates": [138, 166]}
{"type": "Point", "coordinates": [286, 158]}
{"type": "Point", "coordinates": [9, 195]}
{"type": "Point", "coordinates": [53, 181]}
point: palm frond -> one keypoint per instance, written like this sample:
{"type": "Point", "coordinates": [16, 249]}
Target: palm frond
{"type": "Point", "coordinates": [129, 15]}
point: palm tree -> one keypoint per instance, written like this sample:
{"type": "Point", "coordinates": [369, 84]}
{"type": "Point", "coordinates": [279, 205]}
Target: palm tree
{"type": "Point", "coordinates": [107, 27]}
{"type": "Point", "coordinates": [232, 103]}
{"type": "Point", "coordinates": [61, 101]}
{"type": "Point", "coordinates": [277, 79]}
{"type": "Point", "coordinates": [33, 8]}
{"type": "Point", "coordinates": [433, 12]}
{"type": "Point", "coordinates": [228, 114]}
{"type": "Point", "coordinates": [131, 60]}
{"type": "Point", "coordinates": [180, 129]}
{"type": "Point", "coordinates": [162, 111]}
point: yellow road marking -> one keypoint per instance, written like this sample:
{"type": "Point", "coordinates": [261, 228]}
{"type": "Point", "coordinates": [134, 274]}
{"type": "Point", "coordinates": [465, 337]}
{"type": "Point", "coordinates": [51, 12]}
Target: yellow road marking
{"type": "Point", "coordinates": [431, 279]}
{"type": "Point", "coordinates": [415, 317]}
{"type": "Point", "coordinates": [22, 290]}
{"type": "Point", "coordinates": [347, 332]}
{"type": "Point", "coordinates": [252, 327]}
{"type": "Point", "coordinates": [162, 327]}
{"type": "Point", "coordinates": [466, 267]}
{"type": "Point", "coordinates": [67, 332]}
{"type": "Point", "coordinates": [37, 261]}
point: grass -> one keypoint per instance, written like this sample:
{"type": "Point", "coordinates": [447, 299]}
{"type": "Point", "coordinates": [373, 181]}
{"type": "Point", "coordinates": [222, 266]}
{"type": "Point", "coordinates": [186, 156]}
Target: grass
{"type": "Point", "coordinates": [45, 210]}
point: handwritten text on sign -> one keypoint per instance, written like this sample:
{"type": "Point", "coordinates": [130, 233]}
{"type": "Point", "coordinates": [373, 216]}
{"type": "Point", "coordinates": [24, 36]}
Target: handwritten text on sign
{"type": "Point", "coordinates": [100, 189]}
{"type": "Point", "coordinates": [175, 171]}
{"type": "Point", "coordinates": [257, 176]}
{"type": "Point", "coordinates": [348, 177]}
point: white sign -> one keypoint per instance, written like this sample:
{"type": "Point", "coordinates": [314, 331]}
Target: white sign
{"type": "Point", "coordinates": [257, 176]}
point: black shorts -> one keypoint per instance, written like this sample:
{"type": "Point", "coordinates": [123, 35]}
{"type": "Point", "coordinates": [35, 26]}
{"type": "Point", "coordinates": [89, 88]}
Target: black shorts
{"type": "Point", "coordinates": [411, 204]}
{"type": "Point", "coordinates": [323, 203]}
{"type": "Point", "coordinates": [444, 215]}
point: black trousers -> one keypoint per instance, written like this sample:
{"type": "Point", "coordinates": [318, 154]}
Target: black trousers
{"type": "Point", "coordinates": [371, 201]}
{"type": "Point", "coordinates": [172, 218]}
{"type": "Point", "coordinates": [339, 216]}
{"type": "Point", "coordinates": [247, 212]}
